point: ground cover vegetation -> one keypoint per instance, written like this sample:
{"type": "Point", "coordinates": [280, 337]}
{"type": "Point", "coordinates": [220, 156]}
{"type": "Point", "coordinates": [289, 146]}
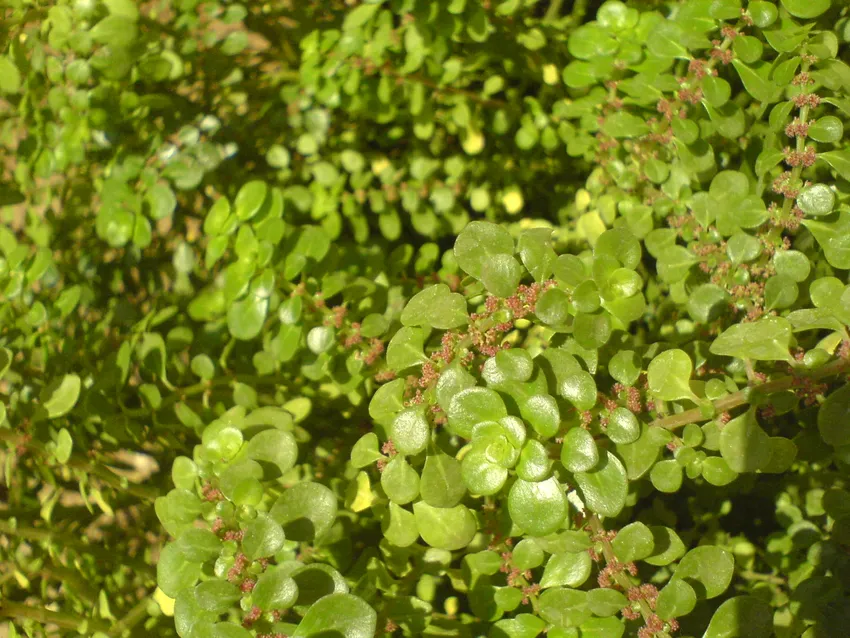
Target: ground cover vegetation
{"type": "Point", "coordinates": [504, 318]}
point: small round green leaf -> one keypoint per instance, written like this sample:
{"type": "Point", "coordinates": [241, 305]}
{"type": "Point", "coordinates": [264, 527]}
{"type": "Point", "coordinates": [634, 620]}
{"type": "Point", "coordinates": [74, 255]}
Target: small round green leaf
{"type": "Point", "coordinates": [578, 451]}
{"type": "Point", "coordinates": [538, 508]}
{"type": "Point", "coordinates": [445, 528]}
{"type": "Point", "coordinates": [605, 487]}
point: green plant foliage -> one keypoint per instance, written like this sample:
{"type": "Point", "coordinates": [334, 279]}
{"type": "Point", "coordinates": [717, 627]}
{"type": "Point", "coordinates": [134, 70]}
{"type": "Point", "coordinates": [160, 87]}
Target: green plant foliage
{"type": "Point", "coordinates": [363, 318]}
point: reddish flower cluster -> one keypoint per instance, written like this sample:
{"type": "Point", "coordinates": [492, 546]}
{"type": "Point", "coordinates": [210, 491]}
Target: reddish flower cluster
{"type": "Point", "coordinates": [239, 565]}
{"type": "Point", "coordinates": [608, 573]}
{"type": "Point", "coordinates": [697, 68]}
{"type": "Point", "coordinates": [211, 494]}
{"type": "Point", "coordinates": [807, 389]}
{"type": "Point", "coordinates": [728, 31]}
{"type": "Point", "coordinates": [646, 592]}
{"type": "Point", "coordinates": [802, 79]}
{"type": "Point", "coordinates": [805, 157]}
{"type": "Point", "coordinates": [724, 55]}
{"type": "Point", "coordinates": [390, 626]}
{"type": "Point", "coordinates": [806, 99]}
{"type": "Point", "coordinates": [247, 585]}
{"type": "Point", "coordinates": [530, 590]}
{"type": "Point", "coordinates": [784, 185]}
{"type": "Point", "coordinates": [797, 128]}
{"type": "Point", "coordinates": [251, 617]}
{"type": "Point", "coordinates": [337, 316]}
{"type": "Point", "coordinates": [654, 624]}
{"type": "Point", "coordinates": [691, 96]}
{"type": "Point", "coordinates": [633, 402]}
{"type": "Point", "coordinates": [354, 336]}
{"type": "Point", "coordinates": [234, 535]}
{"type": "Point", "coordinates": [385, 375]}
{"type": "Point", "coordinates": [376, 349]}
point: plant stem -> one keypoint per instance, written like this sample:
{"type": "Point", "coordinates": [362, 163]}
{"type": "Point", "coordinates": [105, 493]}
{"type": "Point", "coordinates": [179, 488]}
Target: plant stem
{"type": "Point", "coordinates": [579, 9]}
{"type": "Point", "coordinates": [131, 618]}
{"type": "Point", "coordinates": [554, 10]}
{"type": "Point", "coordinates": [9, 609]}
{"type": "Point", "coordinates": [82, 463]}
{"type": "Point", "coordinates": [619, 576]}
{"type": "Point", "coordinates": [745, 396]}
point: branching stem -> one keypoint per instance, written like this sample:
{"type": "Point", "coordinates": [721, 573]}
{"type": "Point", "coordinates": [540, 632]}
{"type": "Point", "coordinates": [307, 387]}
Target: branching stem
{"type": "Point", "coordinates": [745, 396]}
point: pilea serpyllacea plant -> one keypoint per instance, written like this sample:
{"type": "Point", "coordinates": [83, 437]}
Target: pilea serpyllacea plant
{"type": "Point", "coordinates": [349, 319]}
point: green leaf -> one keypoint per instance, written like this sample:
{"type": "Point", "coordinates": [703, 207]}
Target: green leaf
{"type": "Point", "coordinates": [622, 124]}
{"type": "Point", "coordinates": [839, 161]}
{"type": "Point", "coordinates": [604, 489]}
{"type": "Point", "coordinates": [579, 452]}
{"type": "Point", "coordinates": [827, 129]}
{"type": "Point", "coordinates": [216, 596]}
{"type": "Point", "coordinates": [365, 451]}
{"type": "Point", "coordinates": [742, 615]}
{"type": "Point", "coordinates": [708, 569]}
{"type": "Point", "coordinates": [806, 9]}
{"type": "Point", "coordinates": [10, 77]}
{"type": "Point", "coordinates": [306, 511]}
{"type": "Point", "coordinates": [175, 571]}
{"type": "Point", "coordinates": [445, 528]}
{"type": "Point", "coordinates": [472, 406]}
{"type": "Point", "coordinates": [400, 481]}
{"type": "Point", "coordinates": [406, 349]}
{"type": "Point", "coordinates": [834, 418]}
{"type": "Point", "coordinates": [542, 412]}
{"type": "Point", "coordinates": [436, 307]}
{"type": "Point", "coordinates": [668, 376]}
{"type": "Point", "coordinates": [538, 508]}
{"type": "Point", "coordinates": [676, 599]}
{"type": "Point", "coordinates": [756, 82]}
{"type": "Point", "coordinates": [60, 397]}
{"type": "Point", "coordinates": [633, 542]}
{"type": "Point", "coordinates": [263, 537]}
{"type": "Point", "coordinates": [834, 238]}
{"type": "Point", "coordinates": [767, 339]}
{"type": "Point", "coordinates": [64, 446]}
{"type": "Point", "coordinates": [744, 445]}
{"type": "Point", "coordinates": [478, 243]}
{"type": "Point", "coordinates": [535, 250]}
{"type": "Point", "coordinates": [399, 526]}
{"type": "Point", "coordinates": [387, 401]}
{"type": "Point", "coordinates": [245, 318]}
{"type": "Point", "coordinates": [410, 431]}
{"type": "Point", "coordinates": [115, 31]}
{"type": "Point", "coordinates": [816, 200]}
{"type": "Point", "coordinates": [579, 389]}
{"type": "Point", "coordinates": [564, 607]}
{"type": "Point", "coordinates": [508, 366]}
{"type": "Point", "coordinates": [623, 426]}
{"type": "Point", "coordinates": [273, 447]}
{"type": "Point", "coordinates": [501, 274]}
{"type": "Point", "coordinates": [566, 569]}
{"type": "Point", "coordinates": [667, 546]}
{"type": "Point", "coordinates": [275, 589]}
{"type": "Point", "coordinates": [441, 483]}
{"type": "Point", "coordinates": [338, 614]}
{"type": "Point", "coordinates": [553, 307]}
{"type": "Point", "coordinates": [666, 476]}
{"type": "Point", "coordinates": [605, 602]}
{"type": "Point", "coordinates": [481, 475]}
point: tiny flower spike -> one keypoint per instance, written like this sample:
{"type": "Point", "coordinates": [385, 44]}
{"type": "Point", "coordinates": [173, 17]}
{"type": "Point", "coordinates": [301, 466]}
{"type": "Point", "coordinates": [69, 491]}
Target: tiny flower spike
{"type": "Point", "coordinates": [361, 318]}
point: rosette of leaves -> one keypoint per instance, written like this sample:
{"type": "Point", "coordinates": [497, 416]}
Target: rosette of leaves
{"type": "Point", "coordinates": [248, 533]}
